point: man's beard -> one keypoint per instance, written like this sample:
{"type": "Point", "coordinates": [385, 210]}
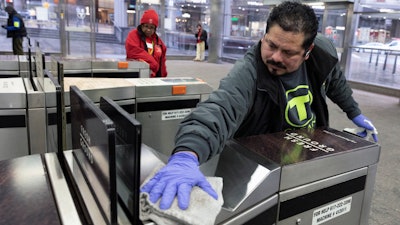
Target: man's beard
{"type": "Point", "coordinates": [276, 64]}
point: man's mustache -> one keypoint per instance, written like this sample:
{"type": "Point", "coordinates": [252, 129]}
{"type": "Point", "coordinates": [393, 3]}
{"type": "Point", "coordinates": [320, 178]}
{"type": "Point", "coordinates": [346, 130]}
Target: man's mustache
{"type": "Point", "coordinates": [277, 64]}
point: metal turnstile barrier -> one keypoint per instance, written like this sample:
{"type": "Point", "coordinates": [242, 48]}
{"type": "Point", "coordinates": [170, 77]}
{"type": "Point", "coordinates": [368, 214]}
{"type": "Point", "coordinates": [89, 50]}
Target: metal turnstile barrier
{"type": "Point", "coordinates": [36, 103]}
{"type": "Point", "coordinates": [119, 90]}
{"type": "Point", "coordinates": [100, 67]}
{"type": "Point", "coordinates": [9, 66]}
{"type": "Point", "coordinates": [158, 103]}
{"type": "Point", "coordinates": [37, 117]}
{"type": "Point", "coordinates": [72, 67]}
{"type": "Point", "coordinates": [34, 191]}
{"type": "Point", "coordinates": [14, 120]}
{"type": "Point", "coordinates": [25, 66]}
{"type": "Point", "coordinates": [119, 68]}
{"type": "Point", "coordinates": [162, 103]}
{"type": "Point", "coordinates": [320, 176]}
{"type": "Point", "coordinates": [250, 189]}
{"type": "Point", "coordinates": [26, 70]}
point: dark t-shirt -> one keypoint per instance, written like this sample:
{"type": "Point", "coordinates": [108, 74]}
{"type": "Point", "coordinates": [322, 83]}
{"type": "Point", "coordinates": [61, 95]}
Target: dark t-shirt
{"type": "Point", "coordinates": [298, 112]}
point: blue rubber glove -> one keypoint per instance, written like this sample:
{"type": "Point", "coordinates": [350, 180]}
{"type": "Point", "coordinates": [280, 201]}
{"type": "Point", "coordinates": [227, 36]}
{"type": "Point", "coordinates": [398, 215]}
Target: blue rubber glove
{"type": "Point", "coordinates": [368, 128]}
{"type": "Point", "coordinates": [177, 178]}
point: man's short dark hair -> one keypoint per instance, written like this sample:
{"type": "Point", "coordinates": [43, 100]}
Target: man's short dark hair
{"type": "Point", "coordinates": [295, 17]}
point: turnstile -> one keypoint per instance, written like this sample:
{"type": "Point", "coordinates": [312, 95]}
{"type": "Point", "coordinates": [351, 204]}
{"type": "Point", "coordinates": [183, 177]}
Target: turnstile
{"type": "Point", "coordinates": [36, 102]}
{"type": "Point", "coordinates": [250, 189]}
{"type": "Point", "coordinates": [33, 190]}
{"type": "Point", "coordinates": [119, 90]}
{"type": "Point", "coordinates": [13, 119]}
{"type": "Point", "coordinates": [29, 180]}
{"type": "Point", "coordinates": [37, 116]}
{"type": "Point", "coordinates": [158, 103]}
{"type": "Point", "coordinates": [100, 67]}
{"type": "Point", "coordinates": [320, 176]}
{"type": "Point", "coordinates": [69, 184]}
{"type": "Point", "coordinates": [120, 68]}
{"type": "Point", "coordinates": [72, 67]}
{"type": "Point", "coordinates": [162, 103]}
{"type": "Point", "coordinates": [27, 65]}
{"type": "Point", "coordinates": [9, 66]}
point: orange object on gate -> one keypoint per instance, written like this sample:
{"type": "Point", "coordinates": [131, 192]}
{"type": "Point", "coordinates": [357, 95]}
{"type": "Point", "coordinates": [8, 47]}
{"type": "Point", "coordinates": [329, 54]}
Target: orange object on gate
{"type": "Point", "coordinates": [179, 90]}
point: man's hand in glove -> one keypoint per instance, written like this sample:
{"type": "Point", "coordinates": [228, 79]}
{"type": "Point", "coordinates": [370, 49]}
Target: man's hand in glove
{"type": "Point", "coordinates": [368, 128]}
{"type": "Point", "coordinates": [177, 178]}
{"type": "Point", "coordinates": [4, 26]}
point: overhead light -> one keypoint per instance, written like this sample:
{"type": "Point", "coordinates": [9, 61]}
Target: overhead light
{"type": "Point", "coordinates": [366, 6]}
{"type": "Point", "coordinates": [254, 3]}
{"type": "Point", "coordinates": [316, 5]}
{"type": "Point", "coordinates": [340, 28]}
{"type": "Point", "coordinates": [386, 10]}
{"type": "Point", "coordinates": [186, 15]}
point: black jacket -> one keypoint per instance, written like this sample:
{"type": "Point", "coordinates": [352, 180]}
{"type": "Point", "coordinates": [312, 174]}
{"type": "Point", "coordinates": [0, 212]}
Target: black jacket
{"type": "Point", "coordinates": [203, 35]}
{"type": "Point", "coordinates": [14, 32]}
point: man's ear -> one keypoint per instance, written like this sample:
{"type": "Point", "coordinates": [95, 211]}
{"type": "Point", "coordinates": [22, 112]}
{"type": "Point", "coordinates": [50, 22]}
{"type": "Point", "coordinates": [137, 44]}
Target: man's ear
{"type": "Point", "coordinates": [307, 54]}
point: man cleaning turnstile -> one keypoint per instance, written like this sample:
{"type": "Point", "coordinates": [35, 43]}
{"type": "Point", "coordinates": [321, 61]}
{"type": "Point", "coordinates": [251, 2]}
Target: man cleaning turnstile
{"type": "Point", "coordinates": [320, 176]}
{"type": "Point", "coordinates": [282, 84]}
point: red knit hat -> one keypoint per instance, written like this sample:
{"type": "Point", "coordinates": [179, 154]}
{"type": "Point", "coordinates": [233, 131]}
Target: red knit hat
{"type": "Point", "coordinates": [150, 16]}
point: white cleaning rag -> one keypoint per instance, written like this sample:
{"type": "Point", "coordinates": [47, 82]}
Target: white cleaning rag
{"type": "Point", "coordinates": [203, 209]}
{"type": "Point", "coordinates": [360, 130]}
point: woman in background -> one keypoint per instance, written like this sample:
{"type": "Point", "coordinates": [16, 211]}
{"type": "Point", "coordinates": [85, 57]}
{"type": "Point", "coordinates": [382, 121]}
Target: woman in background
{"type": "Point", "coordinates": [144, 44]}
{"type": "Point", "coordinates": [201, 37]}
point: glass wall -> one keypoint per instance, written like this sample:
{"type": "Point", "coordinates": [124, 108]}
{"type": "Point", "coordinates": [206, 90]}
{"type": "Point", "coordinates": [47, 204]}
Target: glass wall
{"type": "Point", "coordinates": [246, 21]}
{"type": "Point", "coordinates": [181, 20]}
{"type": "Point", "coordinates": [376, 44]}
{"type": "Point", "coordinates": [244, 24]}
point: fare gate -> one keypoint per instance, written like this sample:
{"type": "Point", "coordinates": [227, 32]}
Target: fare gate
{"type": "Point", "coordinates": [321, 176]}
{"type": "Point", "coordinates": [161, 103]}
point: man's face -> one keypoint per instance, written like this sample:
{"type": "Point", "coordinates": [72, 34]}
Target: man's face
{"type": "Point", "coordinates": [282, 51]}
{"type": "Point", "coordinates": [148, 29]}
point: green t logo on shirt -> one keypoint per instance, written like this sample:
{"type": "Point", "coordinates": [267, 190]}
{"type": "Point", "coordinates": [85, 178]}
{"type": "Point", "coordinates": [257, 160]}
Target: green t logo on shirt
{"type": "Point", "coordinates": [298, 111]}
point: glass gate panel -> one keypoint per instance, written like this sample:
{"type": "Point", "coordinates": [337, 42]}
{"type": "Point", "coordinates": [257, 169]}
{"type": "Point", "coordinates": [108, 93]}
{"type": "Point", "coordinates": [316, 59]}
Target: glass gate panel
{"type": "Point", "coordinates": [334, 24]}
